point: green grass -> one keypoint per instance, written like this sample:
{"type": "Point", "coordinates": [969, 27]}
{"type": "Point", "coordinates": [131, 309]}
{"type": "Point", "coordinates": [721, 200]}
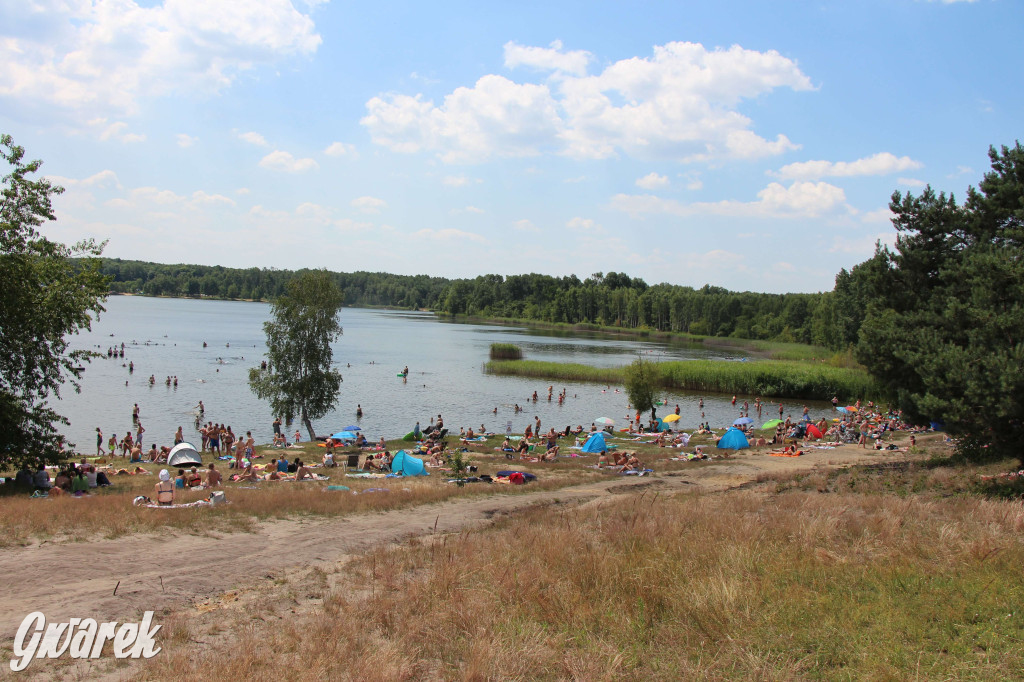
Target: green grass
{"type": "Point", "coordinates": [780, 379]}
{"type": "Point", "coordinates": [506, 351]}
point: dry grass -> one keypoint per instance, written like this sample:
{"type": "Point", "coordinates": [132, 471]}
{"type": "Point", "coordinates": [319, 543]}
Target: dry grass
{"type": "Point", "coordinates": [109, 513]}
{"type": "Point", "coordinates": [752, 585]}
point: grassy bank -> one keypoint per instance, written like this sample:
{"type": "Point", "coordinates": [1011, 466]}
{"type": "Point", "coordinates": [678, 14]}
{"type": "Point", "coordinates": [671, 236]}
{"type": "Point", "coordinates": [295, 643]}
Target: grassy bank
{"type": "Point", "coordinates": [774, 350]}
{"type": "Point", "coordinates": [777, 379]}
{"type": "Point", "coordinates": [839, 585]}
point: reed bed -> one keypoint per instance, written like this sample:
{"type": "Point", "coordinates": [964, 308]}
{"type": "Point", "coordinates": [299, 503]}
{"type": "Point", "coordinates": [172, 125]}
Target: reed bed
{"type": "Point", "coordinates": [506, 351]}
{"type": "Point", "coordinates": [741, 585]}
{"type": "Point", "coordinates": [778, 379]}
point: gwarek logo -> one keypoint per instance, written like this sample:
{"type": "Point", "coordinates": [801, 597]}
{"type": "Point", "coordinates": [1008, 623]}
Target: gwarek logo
{"type": "Point", "coordinates": [82, 638]}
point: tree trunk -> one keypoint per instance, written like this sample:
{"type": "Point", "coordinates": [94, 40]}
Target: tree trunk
{"type": "Point", "coordinates": [309, 427]}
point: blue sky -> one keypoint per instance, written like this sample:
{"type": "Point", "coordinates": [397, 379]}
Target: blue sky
{"type": "Point", "coordinates": [749, 145]}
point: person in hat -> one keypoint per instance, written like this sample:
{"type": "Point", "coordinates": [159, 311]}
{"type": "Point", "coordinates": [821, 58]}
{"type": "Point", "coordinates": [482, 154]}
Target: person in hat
{"type": "Point", "coordinates": [165, 489]}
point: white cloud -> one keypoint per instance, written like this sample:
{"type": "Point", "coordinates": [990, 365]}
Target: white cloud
{"type": "Point", "coordinates": [253, 138]}
{"type": "Point", "coordinates": [242, 191]}
{"type": "Point", "coordinates": [467, 209]}
{"type": "Point", "coordinates": [680, 104]}
{"type": "Point", "coordinates": [799, 200]}
{"type": "Point", "coordinates": [201, 198]}
{"type": "Point", "coordinates": [862, 246]}
{"type": "Point", "coordinates": [881, 215]}
{"type": "Point", "coordinates": [116, 131]}
{"type": "Point", "coordinates": [652, 181]}
{"type": "Point", "coordinates": [910, 182]}
{"type": "Point", "coordinates": [547, 58]}
{"type": "Point", "coordinates": [284, 161]}
{"type": "Point", "coordinates": [459, 180]}
{"type": "Point", "coordinates": [883, 163]}
{"type": "Point", "coordinates": [185, 141]}
{"type": "Point", "coordinates": [693, 181]}
{"type": "Point", "coordinates": [586, 225]}
{"type": "Point", "coordinates": [104, 55]}
{"type": "Point", "coordinates": [525, 226]}
{"type": "Point", "coordinates": [495, 117]}
{"type": "Point", "coordinates": [369, 204]}
{"type": "Point", "coordinates": [340, 149]}
{"type": "Point", "coordinates": [104, 178]}
{"type": "Point", "coordinates": [449, 234]}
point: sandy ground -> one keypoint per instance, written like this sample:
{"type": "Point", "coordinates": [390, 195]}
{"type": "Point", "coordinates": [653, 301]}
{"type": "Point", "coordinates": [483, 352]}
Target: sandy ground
{"type": "Point", "coordinates": [172, 573]}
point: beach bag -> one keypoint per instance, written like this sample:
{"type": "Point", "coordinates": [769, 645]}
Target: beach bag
{"type": "Point", "coordinates": [217, 497]}
{"type": "Point", "coordinates": [516, 478]}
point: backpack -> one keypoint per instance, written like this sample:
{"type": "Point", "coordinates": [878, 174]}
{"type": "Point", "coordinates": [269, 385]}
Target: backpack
{"type": "Point", "coordinates": [516, 478]}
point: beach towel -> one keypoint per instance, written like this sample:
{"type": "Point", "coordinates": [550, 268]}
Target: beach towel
{"type": "Point", "coordinates": [526, 475]}
{"type": "Point", "coordinates": [184, 505]}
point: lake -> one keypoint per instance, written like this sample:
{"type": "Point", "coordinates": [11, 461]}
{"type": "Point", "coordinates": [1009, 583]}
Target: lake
{"type": "Point", "coordinates": [164, 337]}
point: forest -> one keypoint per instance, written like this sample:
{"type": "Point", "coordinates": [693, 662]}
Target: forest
{"type": "Point", "coordinates": [829, 319]}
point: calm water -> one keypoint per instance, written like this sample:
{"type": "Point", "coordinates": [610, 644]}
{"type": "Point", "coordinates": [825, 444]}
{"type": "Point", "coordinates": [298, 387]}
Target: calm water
{"type": "Point", "coordinates": [164, 337]}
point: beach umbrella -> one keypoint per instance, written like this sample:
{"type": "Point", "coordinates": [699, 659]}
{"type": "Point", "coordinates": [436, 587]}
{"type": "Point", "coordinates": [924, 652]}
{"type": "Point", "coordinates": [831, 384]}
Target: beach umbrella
{"type": "Point", "coordinates": [813, 432]}
{"type": "Point", "coordinates": [352, 428]}
{"type": "Point", "coordinates": [671, 418]}
{"type": "Point", "coordinates": [604, 421]}
{"type": "Point", "coordinates": [742, 420]}
{"type": "Point", "coordinates": [344, 435]}
{"type": "Point", "coordinates": [843, 410]}
{"type": "Point", "coordinates": [771, 423]}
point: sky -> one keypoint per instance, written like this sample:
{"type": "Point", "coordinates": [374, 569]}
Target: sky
{"type": "Point", "coordinates": [743, 144]}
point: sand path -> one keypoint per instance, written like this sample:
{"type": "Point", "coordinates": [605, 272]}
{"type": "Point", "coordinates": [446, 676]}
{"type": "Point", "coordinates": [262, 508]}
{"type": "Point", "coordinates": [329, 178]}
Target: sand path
{"type": "Point", "coordinates": [155, 573]}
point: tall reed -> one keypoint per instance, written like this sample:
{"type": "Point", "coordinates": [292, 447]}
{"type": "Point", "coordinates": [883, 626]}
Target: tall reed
{"type": "Point", "coordinates": [506, 351]}
{"type": "Point", "coordinates": [777, 379]}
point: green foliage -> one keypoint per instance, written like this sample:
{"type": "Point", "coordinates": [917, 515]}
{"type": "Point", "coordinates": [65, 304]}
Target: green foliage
{"type": "Point", "coordinates": [944, 325]}
{"type": "Point", "coordinates": [300, 380]}
{"type": "Point", "coordinates": [506, 351]}
{"type": "Point", "coordinates": [459, 463]}
{"type": "Point", "coordinates": [638, 380]}
{"type": "Point", "coordinates": [614, 301]}
{"type": "Point", "coordinates": [769, 378]}
{"type": "Point", "coordinates": [47, 297]}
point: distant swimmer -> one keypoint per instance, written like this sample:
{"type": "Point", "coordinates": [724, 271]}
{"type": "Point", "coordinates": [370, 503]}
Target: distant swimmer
{"type": "Point", "coordinates": [204, 344]}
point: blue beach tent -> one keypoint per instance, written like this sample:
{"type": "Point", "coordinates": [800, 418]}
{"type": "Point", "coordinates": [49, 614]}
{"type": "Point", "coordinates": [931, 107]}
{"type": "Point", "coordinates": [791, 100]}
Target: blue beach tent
{"type": "Point", "coordinates": [733, 440]}
{"type": "Point", "coordinates": [407, 465]}
{"type": "Point", "coordinates": [595, 443]}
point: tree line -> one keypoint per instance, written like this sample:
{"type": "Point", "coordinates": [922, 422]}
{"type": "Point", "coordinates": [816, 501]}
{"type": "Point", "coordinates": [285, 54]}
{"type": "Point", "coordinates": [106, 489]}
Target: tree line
{"type": "Point", "coordinates": [612, 299]}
